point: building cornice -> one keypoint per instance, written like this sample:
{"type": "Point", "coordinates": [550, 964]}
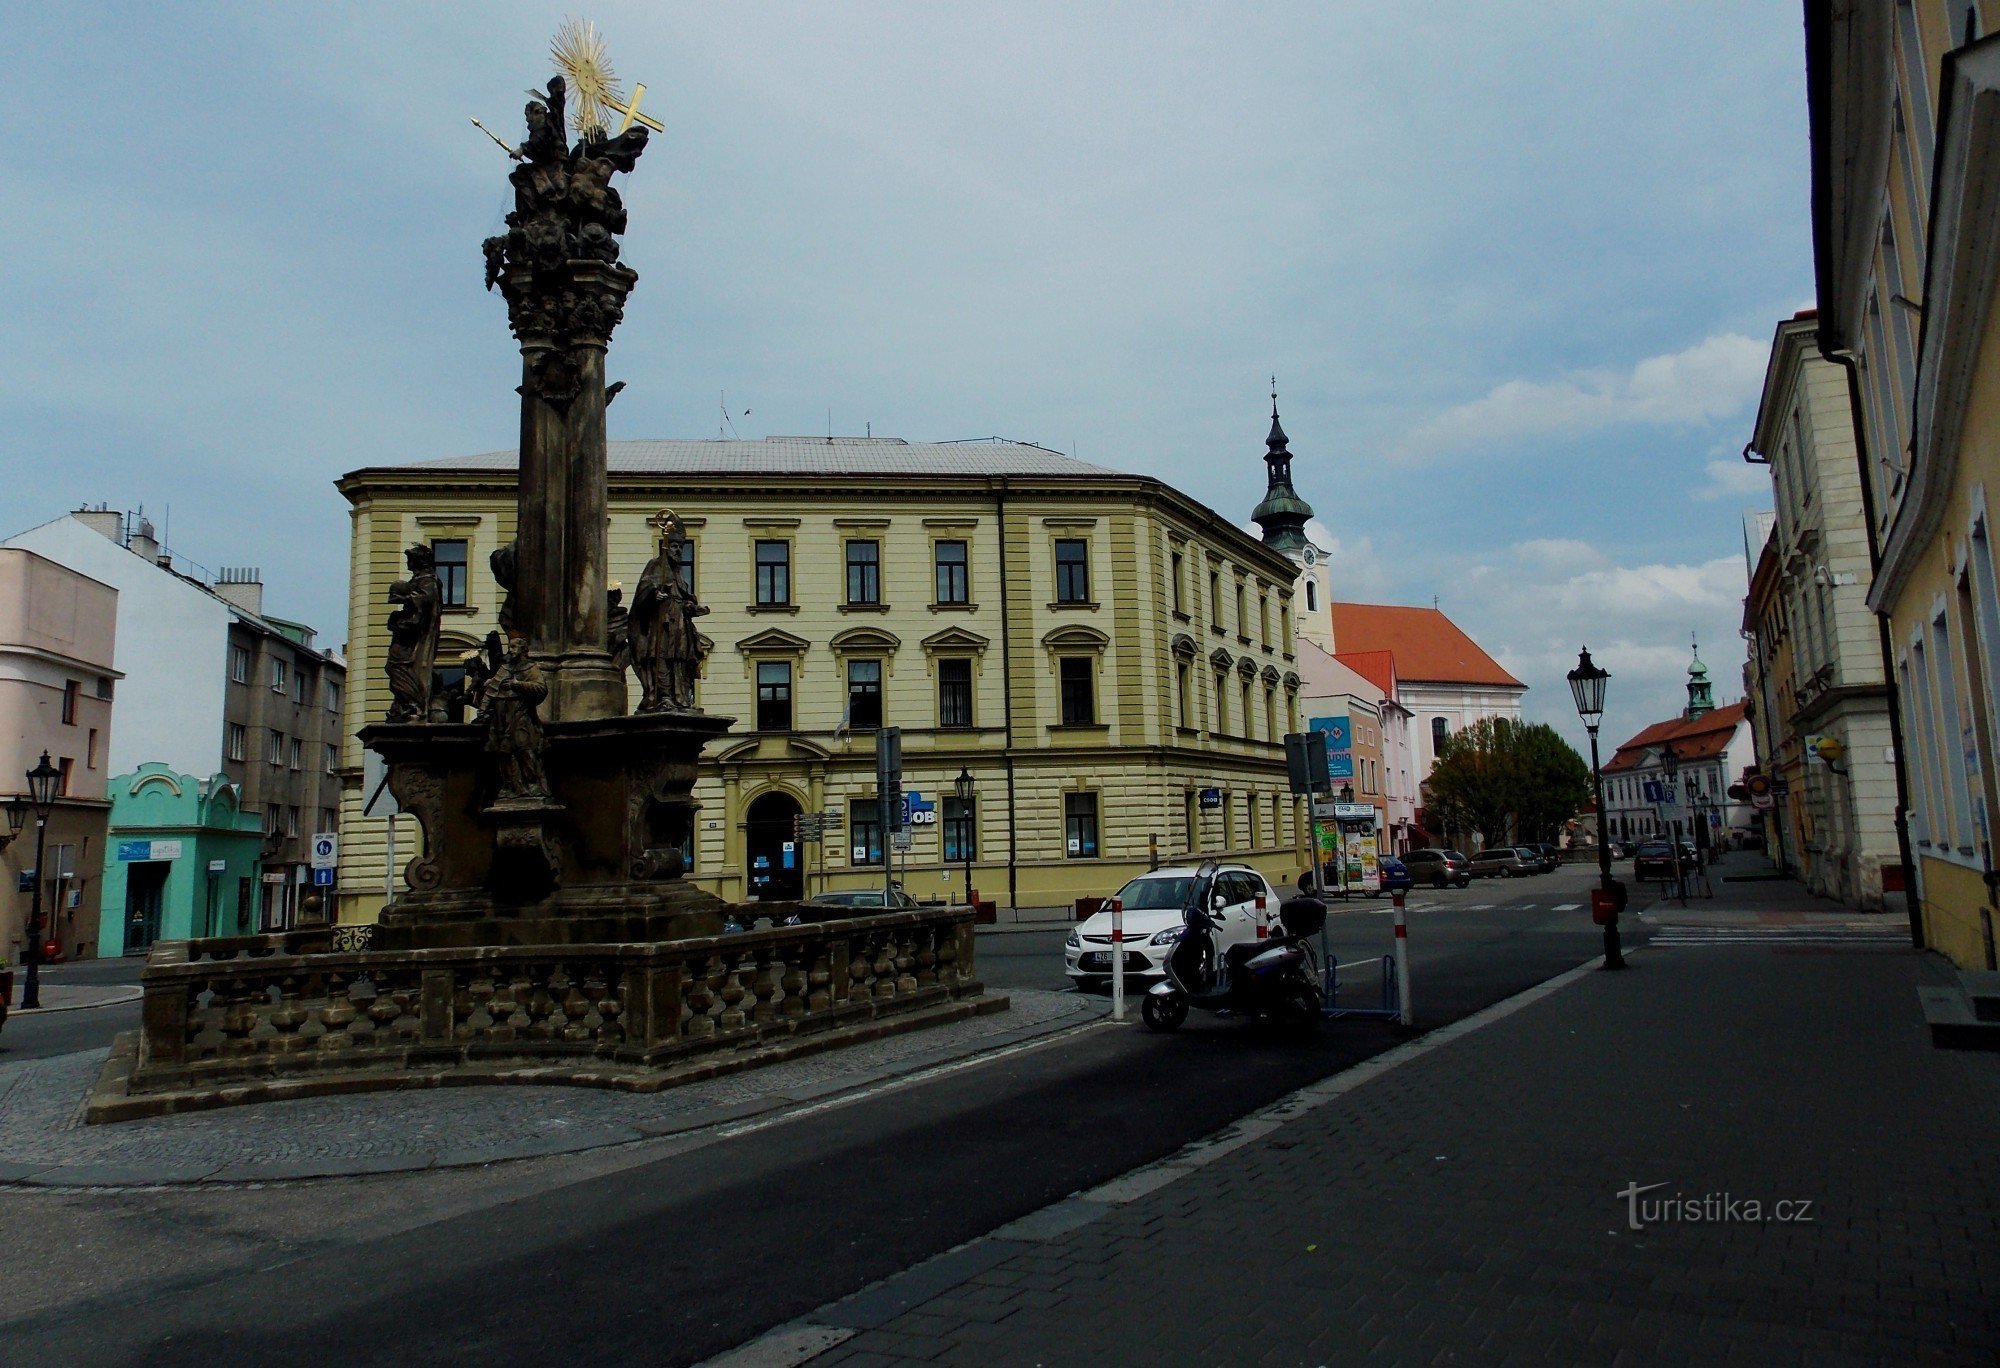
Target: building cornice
{"type": "Point", "coordinates": [1850, 84]}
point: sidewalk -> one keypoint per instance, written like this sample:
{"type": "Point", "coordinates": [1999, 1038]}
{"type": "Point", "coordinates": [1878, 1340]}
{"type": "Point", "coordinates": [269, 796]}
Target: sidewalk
{"type": "Point", "coordinates": [64, 997]}
{"type": "Point", "coordinates": [1564, 1181]}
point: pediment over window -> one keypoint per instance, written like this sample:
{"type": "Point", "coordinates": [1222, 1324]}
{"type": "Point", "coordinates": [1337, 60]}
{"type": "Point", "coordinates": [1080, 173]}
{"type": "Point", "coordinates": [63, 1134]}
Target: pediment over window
{"type": "Point", "coordinates": [955, 639]}
{"type": "Point", "coordinates": [1183, 645]}
{"type": "Point", "coordinates": [1247, 668]}
{"type": "Point", "coordinates": [1271, 674]}
{"type": "Point", "coordinates": [1293, 682]}
{"type": "Point", "coordinates": [865, 641]}
{"type": "Point", "coordinates": [1221, 659]}
{"type": "Point", "coordinates": [773, 641]}
{"type": "Point", "coordinates": [1076, 637]}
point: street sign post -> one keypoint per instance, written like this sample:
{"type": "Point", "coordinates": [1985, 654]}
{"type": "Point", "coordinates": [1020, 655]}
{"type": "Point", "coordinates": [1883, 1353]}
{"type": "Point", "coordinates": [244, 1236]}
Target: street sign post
{"type": "Point", "coordinates": [889, 802]}
{"type": "Point", "coordinates": [325, 850]}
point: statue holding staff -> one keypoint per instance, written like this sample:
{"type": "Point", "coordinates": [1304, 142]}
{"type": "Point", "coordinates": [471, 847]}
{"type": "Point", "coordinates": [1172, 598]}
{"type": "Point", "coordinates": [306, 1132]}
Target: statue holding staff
{"type": "Point", "coordinates": [413, 636]}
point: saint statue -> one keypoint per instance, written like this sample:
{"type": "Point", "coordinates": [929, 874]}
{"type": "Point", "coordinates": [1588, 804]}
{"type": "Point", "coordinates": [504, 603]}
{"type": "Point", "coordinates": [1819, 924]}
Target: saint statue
{"type": "Point", "coordinates": [666, 648]}
{"type": "Point", "coordinates": [617, 627]}
{"type": "Point", "coordinates": [503, 561]}
{"type": "Point", "coordinates": [413, 636]}
{"type": "Point", "coordinates": [508, 698]}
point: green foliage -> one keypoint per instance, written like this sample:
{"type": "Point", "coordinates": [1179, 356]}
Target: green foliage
{"type": "Point", "coordinates": [1508, 780]}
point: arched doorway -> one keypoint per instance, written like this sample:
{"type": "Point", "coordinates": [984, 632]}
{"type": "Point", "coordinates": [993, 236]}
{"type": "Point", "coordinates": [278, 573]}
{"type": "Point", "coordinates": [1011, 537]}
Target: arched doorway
{"type": "Point", "coordinates": [776, 859]}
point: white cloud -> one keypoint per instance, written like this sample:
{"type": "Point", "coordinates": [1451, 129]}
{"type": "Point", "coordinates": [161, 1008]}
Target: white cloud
{"type": "Point", "coordinates": [1736, 480]}
{"type": "Point", "coordinates": [1713, 379]}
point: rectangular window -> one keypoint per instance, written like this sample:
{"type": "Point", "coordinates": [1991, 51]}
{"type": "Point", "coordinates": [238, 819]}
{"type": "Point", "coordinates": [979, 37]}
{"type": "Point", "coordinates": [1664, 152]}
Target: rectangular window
{"type": "Point", "coordinates": [954, 693]}
{"type": "Point", "coordinates": [774, 695]}
{"type": "Point", "coordinates": [1080, 825]}
{"type": "Point", "coordinates": [1221, 703]}
{"type": "Point", "coordinates": [270, 819]}
{"type": "Point", "coordinates": [1176, 560]}
{"type": "Point", "coordinates": [65, 765]}
{"type": "Point", "coordinates": [864, 572]}
{"type": "Point", "coordinates": [278, 676]}
{"type": "Point", "coordinates": [686, 566]}
{"type": "Point", "coordinates": [1079, 698]}
{"type": "Point", "coordinates": [1249, 728]}
{"type": "Point", "coordinates": [1215, 599]}
{"type": "Point", "coordinates": [238, 741]}
{"type": "Point", "coordinates": [961, 840]}
{"type": "Point", "coordinates": [327, 819]}
{"type": "Point", "coordinates": [104, 687]}
{"type": "Point", "coordinates": [864, 835]}
{"type": "Point", "coordinates": [292, 753]}
{"type": "Point", "coordinates": [90, 751]}
{"type": "Point", "coordinates": [72, 693]}
{"type": "Point", "coordinates": [239, 665]}
{"type": "Point", "coordinates": [1072, 570]}
{"type": "Point", "coordinates": [1242, 619]}
{"type": "Point", "coordinates": [275, 756]}
{"type": "Point", "coordinates": [332, 696]}
{"type": "Point", "coordinates": [864, 694]}
{"type": "Point", "coordinates": [291, 821]}
{"type": "Point", "coordinates": [301, 687]}
{"type": "Point", "coordinates": [774, 574]}
{"type": "Point", "coordinates": [1183, 686]}
{"type": "Point", "coordinates": [953, 581]}
{"type": "Point", "coordinates": [450, 572]}
{"type": "Point", "coordinates": [1271, 711]}
{"type": "Point", "coordinates": [1953, 752]}
{"type": "Point", "coordinates": [332, 757]}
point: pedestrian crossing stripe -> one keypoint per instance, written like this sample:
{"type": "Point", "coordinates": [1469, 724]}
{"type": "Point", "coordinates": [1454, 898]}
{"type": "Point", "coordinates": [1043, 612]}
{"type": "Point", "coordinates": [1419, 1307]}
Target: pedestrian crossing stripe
{"type": "Point", "coordinates": [1568, 907]}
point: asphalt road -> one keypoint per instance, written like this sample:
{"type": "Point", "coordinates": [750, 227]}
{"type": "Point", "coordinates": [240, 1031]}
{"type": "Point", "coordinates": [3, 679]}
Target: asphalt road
{"type": "Point", "coordinates": [43, 1034]}
{"type": "Point", "coordinates": [675, 1259]}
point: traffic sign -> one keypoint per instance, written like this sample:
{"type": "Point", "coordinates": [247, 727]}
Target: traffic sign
{"type": "Point", "coordinates": [326, 850]}
{"type": "Point", "coordinates": [322, 877]}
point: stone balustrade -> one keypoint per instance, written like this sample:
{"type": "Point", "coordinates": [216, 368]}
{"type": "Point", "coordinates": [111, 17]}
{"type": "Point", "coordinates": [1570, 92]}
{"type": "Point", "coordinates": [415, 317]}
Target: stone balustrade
{"type": "Point", "coordinates": [222, 1013]}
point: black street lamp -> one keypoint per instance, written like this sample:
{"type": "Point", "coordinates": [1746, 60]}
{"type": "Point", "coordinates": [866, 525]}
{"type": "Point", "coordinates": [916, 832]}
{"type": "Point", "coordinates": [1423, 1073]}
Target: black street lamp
{"type": "Point", "coordinates": [963, 786]}
{"type": "Point", "coordinates": [1586, 684]}
{"type": "Point", "coordinates": [43, 781]}
{"type": "Point", "coordinates": [1670, 765]}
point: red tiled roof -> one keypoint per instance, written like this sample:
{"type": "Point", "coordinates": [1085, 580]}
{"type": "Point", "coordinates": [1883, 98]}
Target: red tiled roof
{"type": "Point", "coordinates": [1700, 738]}
{"type": "Point", "coordinates": [1377, 667]}
{"type": "Point", "coordinates": [1428, 646]}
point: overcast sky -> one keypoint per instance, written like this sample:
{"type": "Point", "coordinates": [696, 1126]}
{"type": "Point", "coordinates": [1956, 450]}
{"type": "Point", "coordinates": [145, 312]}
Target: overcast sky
{"type": "Point", "coordinates": [1516, 266]}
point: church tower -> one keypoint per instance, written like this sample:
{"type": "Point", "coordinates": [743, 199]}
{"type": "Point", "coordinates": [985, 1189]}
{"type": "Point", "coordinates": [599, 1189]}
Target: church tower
{"type": "Point", "coordinates": [1701, 695]}
{"type": "Point", "coordinates": [1282, 516]}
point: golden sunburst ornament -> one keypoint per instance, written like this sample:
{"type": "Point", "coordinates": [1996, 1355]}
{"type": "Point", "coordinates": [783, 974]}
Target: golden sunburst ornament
{"type": "Point", "coordinates": [580, 56]}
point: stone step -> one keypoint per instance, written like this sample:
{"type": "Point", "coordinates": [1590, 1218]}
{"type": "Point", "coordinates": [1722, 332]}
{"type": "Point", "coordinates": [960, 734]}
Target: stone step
{"type": "Point", "coordinates": [1953, 1026]}
{"type": "Point", "coordinates": [1982, 986]}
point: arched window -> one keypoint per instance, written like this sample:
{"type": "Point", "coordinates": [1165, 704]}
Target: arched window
{"type": "Point", "coordinates": [1312, 597]}
{"type": "Point", "coordinates": [1440, 729]}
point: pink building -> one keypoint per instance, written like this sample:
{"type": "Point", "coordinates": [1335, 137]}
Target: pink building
{"type": "Point", "coordinates": [56, 634]}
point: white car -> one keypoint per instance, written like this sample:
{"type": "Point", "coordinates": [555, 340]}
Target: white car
{"type": "Point", "coordinates": [1153, 907]}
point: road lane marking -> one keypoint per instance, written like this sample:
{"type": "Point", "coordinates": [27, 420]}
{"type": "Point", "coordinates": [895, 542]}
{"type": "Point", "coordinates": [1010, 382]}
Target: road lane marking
{"type": "Point", "coordinates": [1567, 907]}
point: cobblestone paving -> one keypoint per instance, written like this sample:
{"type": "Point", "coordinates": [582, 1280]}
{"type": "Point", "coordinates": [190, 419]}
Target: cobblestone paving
{"type": "Point", "coordinates": [43, 1138]}
{"type": "Point", "coordinates": [1469, 1206]}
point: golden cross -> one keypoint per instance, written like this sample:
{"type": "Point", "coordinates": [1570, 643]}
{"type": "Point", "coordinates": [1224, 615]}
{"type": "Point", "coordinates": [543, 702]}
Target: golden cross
{"type": "Point", "coordinates": [631, 112]}
{"type": "Point", "coordinates": [663, 521]}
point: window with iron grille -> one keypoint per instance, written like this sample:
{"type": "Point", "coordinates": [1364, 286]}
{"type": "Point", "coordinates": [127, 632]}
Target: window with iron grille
{"type": "Point", "coordinates": [1072, 570]}
{"type": "Point", "coordinates": [1079, 697]}
{"type": "Point", "coordinates": [953, 581]}
{"type": "Point", "coordinates": [774, 695]}
{"type": "Point", "coordinates": [1080, 825]}
{"type": "Point", "coordinates": [954, 693]}
{"type": "Point", "coordinates": [864, 694]}
{"type": "Point", "coordinates": [774, 573]}
{"type": "Point", "coordinates": [864, 572]}
{"type": "Point", "coordinates": [450, 572]}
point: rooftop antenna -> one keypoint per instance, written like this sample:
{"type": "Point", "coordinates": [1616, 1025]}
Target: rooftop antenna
{"type": "Point", "coordinates": [1434, 603]}
{"type": "Point", "coordinates": [829, 425]}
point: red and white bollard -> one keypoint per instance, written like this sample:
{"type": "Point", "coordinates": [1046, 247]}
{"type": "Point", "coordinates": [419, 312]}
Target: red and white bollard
{"type": "Point", "coordinates": [1117, 959]}
{"type": "Point", "coordinates": [1402, 960]}
{"type": "Point", "coordinates": [1263, 919]}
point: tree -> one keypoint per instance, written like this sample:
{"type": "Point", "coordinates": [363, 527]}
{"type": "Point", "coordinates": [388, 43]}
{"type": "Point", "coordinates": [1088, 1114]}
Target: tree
{"type": "Point", "coordinates": [1508, 781]}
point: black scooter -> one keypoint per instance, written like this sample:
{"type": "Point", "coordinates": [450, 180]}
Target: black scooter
{"type": "Point", "coordinates": [1276, 978]}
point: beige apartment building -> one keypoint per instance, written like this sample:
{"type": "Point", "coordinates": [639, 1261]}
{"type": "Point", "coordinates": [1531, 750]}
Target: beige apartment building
{"type": "Point", "coordinates": [1109, 662]}
{"type": "Point", "coordinates": [1815, 655]}
{"type": "Point", "coordinates": [1903, 96]}
{"type": "Point", "coordinates": [57, 633]}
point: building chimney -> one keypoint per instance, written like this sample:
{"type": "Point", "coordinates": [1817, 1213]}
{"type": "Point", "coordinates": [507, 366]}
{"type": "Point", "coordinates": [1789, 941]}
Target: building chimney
{"type": "Point", "coordinates": [243, 586]}
{"type": "Point", "coordinates": [143, 542]}
{"type": "Point", "coordinates": [103, 521]}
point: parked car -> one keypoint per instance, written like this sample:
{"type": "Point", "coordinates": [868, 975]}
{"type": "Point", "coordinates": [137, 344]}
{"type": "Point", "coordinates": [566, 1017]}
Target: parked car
{"type": "Point", "coordinates": [1552, 856]}
{"type": "Point", "coordinates": [1438, 868]}
{"type": "Point", "coordinates": [1653, 860]}
{"type": "Point", "coordinates": [1506, 861]}
{"type": "Point", "coordinates": [1620, 849]}
{"type": "Point", "coordinates": [1153, 905]}
{"type": "Point", "coordinates": [851, 902]}
{"type": "Point", "coordinates": [1395, 875]}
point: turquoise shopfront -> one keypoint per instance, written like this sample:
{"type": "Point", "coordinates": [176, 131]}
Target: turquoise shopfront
{"type": "Point", "coordinates": [181, 860]}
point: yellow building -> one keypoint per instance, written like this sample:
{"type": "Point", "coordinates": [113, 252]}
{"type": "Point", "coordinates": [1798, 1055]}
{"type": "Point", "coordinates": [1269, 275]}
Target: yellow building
{"type": "Point", "coordinates": [1094, 649]}
{"type": "Point", "coordinates": [1904, 98]}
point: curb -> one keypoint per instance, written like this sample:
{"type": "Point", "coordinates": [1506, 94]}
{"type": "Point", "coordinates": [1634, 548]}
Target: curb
{"type": "Point", "coordinates": [132, 996]}
{"type": "Point", "coordinates": [98, 1176]}
{"type": "Point", "coordinates": [806, 1337]}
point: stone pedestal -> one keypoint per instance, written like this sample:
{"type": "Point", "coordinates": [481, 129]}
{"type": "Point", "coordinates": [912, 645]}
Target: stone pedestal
{"type": "Point", "coordinates": [598, 860]}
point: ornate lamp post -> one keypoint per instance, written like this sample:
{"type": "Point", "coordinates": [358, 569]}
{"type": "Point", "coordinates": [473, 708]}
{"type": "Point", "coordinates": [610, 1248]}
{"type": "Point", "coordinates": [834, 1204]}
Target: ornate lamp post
{"type": "Point", "coordinates": [17, 817]}
{"type": "Point", "coordinates": [963, 787]}
{"type": "Point", "coordinates": [42, 782]}
{"type": "Point", "coordinates": [1670, 765]}
{"type": "Point", "coordinates": [1586, 685]}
